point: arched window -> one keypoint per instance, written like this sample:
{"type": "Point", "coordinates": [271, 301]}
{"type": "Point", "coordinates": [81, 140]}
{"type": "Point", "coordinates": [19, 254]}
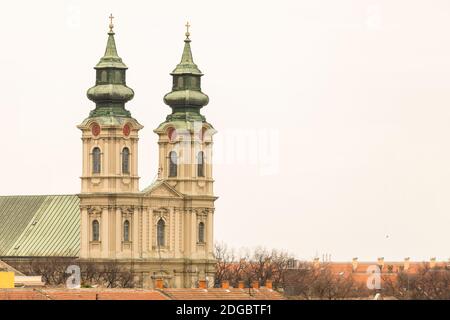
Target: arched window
{"type": "Point", "coordinates": [126, 231]}
{"type": "Point", "coordinates": [126, 160]}
{"type": "Point", "coordinates": [201, 164]}
{"type": "Point", "coordinates": [161, 226]}
{"type": "Point", "coordinates": [95, 231]}
{"type": "Point", "coordinates": [201, 232]}
{"type": "Point", "coordinates": [96, 160]}
{"type": "Point", "coordinates": [173, 159]}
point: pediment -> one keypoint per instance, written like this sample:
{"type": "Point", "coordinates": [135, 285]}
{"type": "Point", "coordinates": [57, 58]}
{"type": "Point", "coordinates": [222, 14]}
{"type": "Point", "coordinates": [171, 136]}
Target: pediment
{"type": "Point", "coordinates": [161, 189]}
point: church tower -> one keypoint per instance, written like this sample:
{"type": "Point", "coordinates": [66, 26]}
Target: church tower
{"type": "Point", "coordinates": [165, 231]}
{"type": "Point", "coordinates": [185, 141]}
{"type": "Point", "coordinates": [109, 181]}
{"type": "Point", "coordinates": [185, 138]}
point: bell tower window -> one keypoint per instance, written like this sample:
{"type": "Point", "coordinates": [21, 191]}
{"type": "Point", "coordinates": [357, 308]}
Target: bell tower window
{"type": "Point", "coordinates": [200, 164]}
{"type": "Point", "coordinates": [173, 160]}
{"type": "Point", "coordinates": [96, 160]}
{"type": "Point", "coordinates": [126, 161]}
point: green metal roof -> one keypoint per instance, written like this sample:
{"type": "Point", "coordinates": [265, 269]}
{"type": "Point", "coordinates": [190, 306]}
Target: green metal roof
{"type": "Point", "coordinates": [39, 226]}
{"type": "Point", "coordinates": [186, 98]}
{"type": "Point", "coordinates": [111, 59]}
{"type": "Point", "coordinates": [187, 65]}
{"type": "Point", "coordinates": [110, 92]}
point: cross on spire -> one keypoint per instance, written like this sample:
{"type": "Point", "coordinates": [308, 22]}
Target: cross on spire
{"type": "Point", "coordinates": [111, 26]}
{"type": "Point", "coordinates": [187, 30]}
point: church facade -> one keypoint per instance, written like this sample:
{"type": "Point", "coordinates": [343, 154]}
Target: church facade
{"type": "Point", "coordinates": [164, 231]}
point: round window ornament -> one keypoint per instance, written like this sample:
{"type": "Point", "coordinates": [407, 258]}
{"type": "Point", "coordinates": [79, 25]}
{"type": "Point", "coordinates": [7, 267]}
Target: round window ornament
{"type": "Point", "coordinates": [172, 133]}
{"type": "Point", "coordinates": [126, 130]}
{"type": "Point", "coordinates": [95, 129]}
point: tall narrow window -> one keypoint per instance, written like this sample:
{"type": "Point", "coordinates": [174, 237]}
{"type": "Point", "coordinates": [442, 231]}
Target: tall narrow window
{"type": "Point", "coordinates": [103, 76]}
{"type": "Point", "coordinates": [126, 160]}
{"type": "Point", "coordinates": [201, 232]}
{"type": "Point", "coordinates": [180, 82]}
{"type": "Point", "coordinates": [126, 231]}
{"type": "Point", "coordinates": [95, 231]}
{"type": "Point", "coordinates": [160, 232]}
{"type": "Point", "coordinates": [96, 160]}
{"type": "Point", "coordinates": [201, 164]}
{"type": "Point", "coordinates": [118, 76]}
{"type": "Point", "coordinates": [173, 159]}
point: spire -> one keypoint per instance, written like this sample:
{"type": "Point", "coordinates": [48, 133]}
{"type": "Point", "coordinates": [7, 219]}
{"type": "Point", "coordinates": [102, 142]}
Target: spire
{"type": "Point", "coordinates": [186, 97]}
{"type": "Point", "coordinates": [110, 92]}
{"type": "Point", "coordinates": [187, 64]}
{"type": "Point", "coordinates": [111, 59]}
{"type": "Point", "coordinates": [111, 50]}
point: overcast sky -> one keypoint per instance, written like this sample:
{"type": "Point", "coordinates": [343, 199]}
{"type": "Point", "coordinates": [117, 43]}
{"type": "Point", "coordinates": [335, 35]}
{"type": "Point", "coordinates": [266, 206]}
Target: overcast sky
{"type": "Point", "coordinates": [343, 109]}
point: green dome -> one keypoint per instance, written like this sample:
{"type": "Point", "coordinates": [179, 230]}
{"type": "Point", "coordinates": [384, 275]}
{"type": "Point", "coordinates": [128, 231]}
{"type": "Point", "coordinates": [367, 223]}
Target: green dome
{"type": "Point", "coordinates": [110, 92]}
{"type": "Point", "coordinates": [186, 98]}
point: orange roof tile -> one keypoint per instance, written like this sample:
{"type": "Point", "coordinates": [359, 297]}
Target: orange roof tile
{"type": "Point", "coordinates": [81, 294]}
{"type": "Point", "coordinates": [223, 294]}
{"type": "Point", "coordinates": [139, 294]}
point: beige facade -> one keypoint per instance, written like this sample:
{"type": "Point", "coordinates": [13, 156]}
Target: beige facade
{"type": "Point", "coordinates": [185, 203]}
{"type": "Point", "coordinates": [163, 231]}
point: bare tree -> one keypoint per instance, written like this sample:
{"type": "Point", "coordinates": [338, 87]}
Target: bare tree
{"type": "Point", "coordinates": [260, 265]}
{"type": "Point", "coordinates": [320, 282]}
{"type": "Point", "coordinates": [53, 272]}
{"type": "Point", "coordinates": [424, 284]}
{"type": "Point", "coordinates": [224, 259]}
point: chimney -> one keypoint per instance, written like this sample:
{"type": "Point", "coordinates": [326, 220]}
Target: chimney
{"type": "Point", "coordinates": [269, 284]}
{"type": "Point", "coordinates": [255, 284]}
{"type": "Point", "coordinates": [381, 262]}
{"type": "Point", "coordinates": [159, 283]}
{"type": "Point", "coordinates": [241, 284]}
{"type": "Point", "coordinates": [406, 264]}
{"type": "Point", "coordinates": [433, 262]}
{"type": "Point", "coordinates": [225, 284]}
{"type": "Point", "coordinates": [354, 264]}
{"type": "Point", "coordinates": [316, 262]}
{"type": "Point", "coordinates": [202, 284]}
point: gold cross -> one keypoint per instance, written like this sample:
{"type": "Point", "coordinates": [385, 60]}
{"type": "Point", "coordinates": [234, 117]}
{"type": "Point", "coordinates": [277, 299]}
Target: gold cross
{"type": "Point", "coordinates": [111, 26]}
{"type": "Point", "coordinates": [187, 29]}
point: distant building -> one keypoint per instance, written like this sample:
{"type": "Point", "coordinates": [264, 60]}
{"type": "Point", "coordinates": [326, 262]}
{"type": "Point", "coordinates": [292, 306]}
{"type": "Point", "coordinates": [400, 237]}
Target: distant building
{"type": "Point", "coordinates": [361, 271]}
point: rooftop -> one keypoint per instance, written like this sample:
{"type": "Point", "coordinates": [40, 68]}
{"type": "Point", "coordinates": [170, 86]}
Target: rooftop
{"type": "Point", "coordinates": [39, 226]}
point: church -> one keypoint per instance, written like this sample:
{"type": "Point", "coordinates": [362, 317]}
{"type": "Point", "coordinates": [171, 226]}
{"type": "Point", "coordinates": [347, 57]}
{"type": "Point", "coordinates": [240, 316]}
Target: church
{"type": "Point", "coordinates": [164, 230]}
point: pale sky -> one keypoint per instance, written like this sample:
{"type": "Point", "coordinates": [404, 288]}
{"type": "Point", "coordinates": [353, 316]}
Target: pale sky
{"type": "Point", "coordinates": [343, 108]}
